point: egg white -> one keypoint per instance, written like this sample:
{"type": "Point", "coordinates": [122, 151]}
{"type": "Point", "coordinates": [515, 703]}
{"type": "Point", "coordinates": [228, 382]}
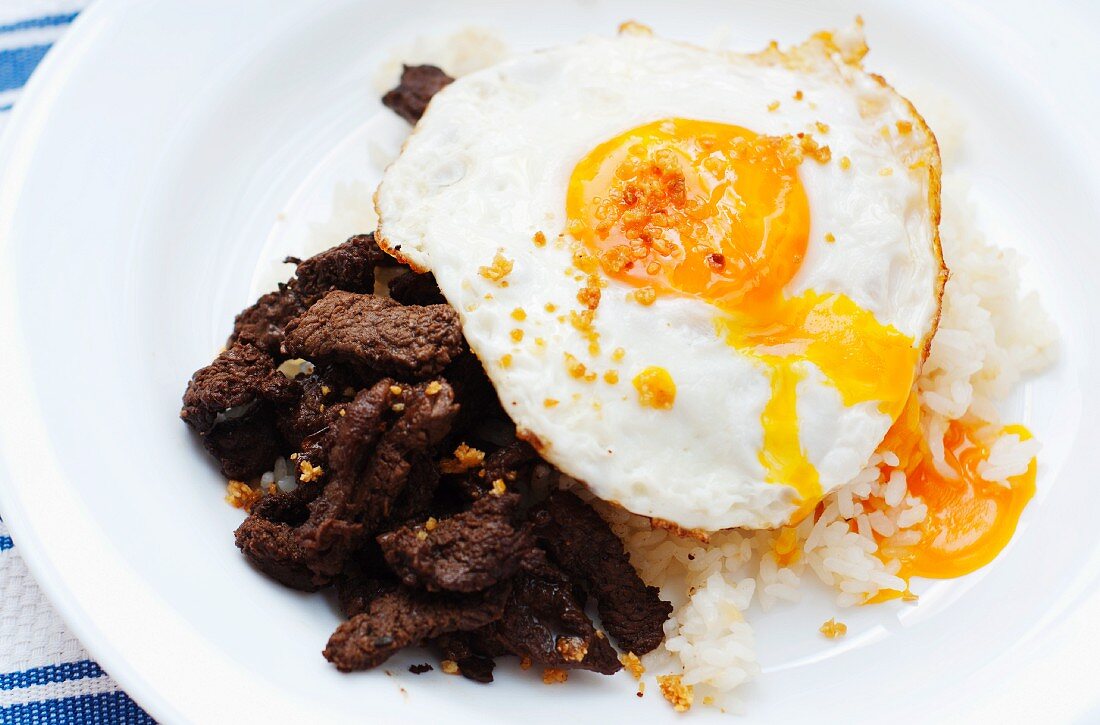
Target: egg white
{"type": "Point", "coordinates": [488, 167]}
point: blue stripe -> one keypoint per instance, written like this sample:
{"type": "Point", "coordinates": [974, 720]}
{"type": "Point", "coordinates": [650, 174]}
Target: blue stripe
{"type": "Point", "coordinates": [6, 543]}
{"type": "Point", "coordinates": [110, 707]}
{"type": "Point", "coordinates": [46, 21]}
{"type": "Point", "coordinates": [16, 65]}
{"type": "Point", "coordinates": [64, 672]}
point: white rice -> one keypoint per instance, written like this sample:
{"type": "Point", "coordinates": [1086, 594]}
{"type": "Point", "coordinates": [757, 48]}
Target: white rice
{"type": "Point", "coordinates": [991, 335]}
{"type": "Point", "coordinates": [465, 51]}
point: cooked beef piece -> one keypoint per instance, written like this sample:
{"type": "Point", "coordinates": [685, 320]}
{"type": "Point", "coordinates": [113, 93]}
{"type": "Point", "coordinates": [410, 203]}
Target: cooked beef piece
{"type": "Point", "coordinates": [462, 649]}
{"type": "Point", "coordinates": [230, 404]}
{"type": "Point", "coordinates": [269, 537]}
{"type": "Point", "coordinates": [376, 334]}
{"type": "Point", "coordinates": [348, 266]}
{"type": "Point", "coordinates": [369, 478]}
{"type": "Point", "coordinates": [262, 324]}
{"type": "Point", "coordinates": [510, 463]}
{"type": "Point", "coordinates": [513, 464]}
{"type": "Point", "coordinates": [582, 544]}
{"type": "Point", "coordinates": [418, 84]}
{"type": "Point", "coordinates": [363, 579]}
{"type": "Point", "coordinates": [355, 593]}
{"type": "Point", "coordinates": [464, 553]}
{"type": "Point", "coordinates": [319, 400]}
{"type": "Point", "coordinates": [406, 618]}
{"type": "Point", "coordinates": [413, 288]}
{"type": "Point", "coordinates": [239, 379]}
{"type": "Point", "coordinates": [288, 507]}
{"type": "Point", "coordinates": [373, 448]}
{"type": "Point", "coordinates": [544, 621]}
{"type": "Point", "coordinates": [421, 668]}
{"type": "Point", "coordinates": [246, 446]}
{"type": "Point", "coordinates": [416, 499]}
{"type": "Point", "coordinates": [475, 394]}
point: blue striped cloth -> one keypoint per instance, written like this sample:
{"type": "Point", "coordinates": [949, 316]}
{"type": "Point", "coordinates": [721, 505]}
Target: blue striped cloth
{"type": "Point", "coordinates": [45, 674]}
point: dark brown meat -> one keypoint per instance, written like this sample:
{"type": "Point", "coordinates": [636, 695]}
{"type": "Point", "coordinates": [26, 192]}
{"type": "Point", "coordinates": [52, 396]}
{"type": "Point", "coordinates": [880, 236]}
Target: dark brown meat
{"type": "Point", "coordinates": [371, 463]}
{"type": "Point", "coordinates": [356, 593]}
{"type": "Point", "coordinates": [363, 580]}
{"type": "Point", "coordinates": [244, 447]}
{"type": "Point", "coordinates": [348, 266]}
{"type": "Point", "coordinates": [509, 463]}
{"type": "Point", "coordinates": [512, 464]}
{"type": "Point", "coordinates": [231, 405]}
{"type": "Point", "coordinates": [416, 499]}
{"type": "Point", "coordinates": [462, 649]}
{"type": "Point", "coordinates": [376, 334]}
{"type": "Point", "coordinates": [475, 394]}
{"type": "Point", "coordinates": [413, 288]}
{"type": "Point", "coordinates": [464, 553]}
{"type": "Point", "coordinates": [545, 622]}
{"type": "Point", "coordinates": [269, 537]}
{"type": "Point", "coordinates": [418, 84]}
{"type": "Point", "coordinates": [319, 399]}
{"type": "Point", "coordinates": [238, 379]}
{"type": "Point", "coordinates": [406, 618]}
{"type": "Point", "coordinates": [262, 324]}
{"type": "Point", "coordinates": [583, 545]}
{"type": "Point", "coordinates": [385, 429]}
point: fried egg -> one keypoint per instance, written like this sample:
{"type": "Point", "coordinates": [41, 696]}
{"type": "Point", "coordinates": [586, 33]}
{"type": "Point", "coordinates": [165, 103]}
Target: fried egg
{"type": "Point", "coordinates": [702, 283]}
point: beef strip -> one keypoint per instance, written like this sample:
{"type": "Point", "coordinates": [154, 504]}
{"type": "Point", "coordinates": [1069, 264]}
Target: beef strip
{"type": "Point", "coordinates": [348, 266]}
{"type": "Point", "coordinates": [376, 334]}
{"type": "Point", "coordinates": [463, 649]}
{"type": "Point", "coordinates": [582, 544]}
{"type": "Point", "coordinates": [246, 446]}
{"type": "Point", "coordinates": [416, 499]}
{"type": "Point", "coordinates": [240, 377]}
{"type": "Point", "coordinates": [262, 324]}
{"type": "Point", "coordinates": [414, 288]}
{"type": "Point", "coordinates": [363, 579]}
{"type": "Point", "coordinates": [475, 394]}
{"type": "Point", "coordinates": [464, 553]}
{"type": "Point", "coordinates": [406, 618]}
{"type": "Point", "coordinates": [373, 449]}
{"type": "Point", "coordinates": [231, 405]}
{"type": "Point", "coordinates": [511, 464]}
{"type": "Point", "coordinates": [320, 398]}
{"type": "Point", "coordinates": [269, 539]}
{"type": "Point", "coordinates": [368, 479]}
{"type": "Point", "coordinates": [418, 84]}
{"type": "Point", "coordinates": [544, 621]}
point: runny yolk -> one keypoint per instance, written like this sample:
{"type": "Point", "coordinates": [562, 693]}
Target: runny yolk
{"type": "Point", "coordinates": [970, 520]}
{"type": "Point", "coordinates": [718, 212]}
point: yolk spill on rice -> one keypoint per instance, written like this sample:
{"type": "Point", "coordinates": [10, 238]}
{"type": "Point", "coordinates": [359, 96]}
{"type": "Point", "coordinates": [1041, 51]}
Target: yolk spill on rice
{"type": "Point", "coordinates": [970, 520]}
{"type": "Point", "coordinates": [717, 212]}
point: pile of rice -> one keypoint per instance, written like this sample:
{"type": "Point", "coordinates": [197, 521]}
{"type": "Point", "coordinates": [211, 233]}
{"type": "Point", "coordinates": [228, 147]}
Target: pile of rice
{"type": "Point", "coordinates": [990, 336]}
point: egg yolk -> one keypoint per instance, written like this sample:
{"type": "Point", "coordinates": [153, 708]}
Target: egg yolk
{"type": "Point", "coordinates": [718, 212]}
{"type": "Point", "coordinates": [655, 387]}
{"type": "Point", "coordinates": [970, 520]}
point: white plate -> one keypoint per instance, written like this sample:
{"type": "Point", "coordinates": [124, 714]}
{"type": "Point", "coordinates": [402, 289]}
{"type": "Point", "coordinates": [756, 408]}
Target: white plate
{"type": "Point", "coordinates": [142, 178]}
